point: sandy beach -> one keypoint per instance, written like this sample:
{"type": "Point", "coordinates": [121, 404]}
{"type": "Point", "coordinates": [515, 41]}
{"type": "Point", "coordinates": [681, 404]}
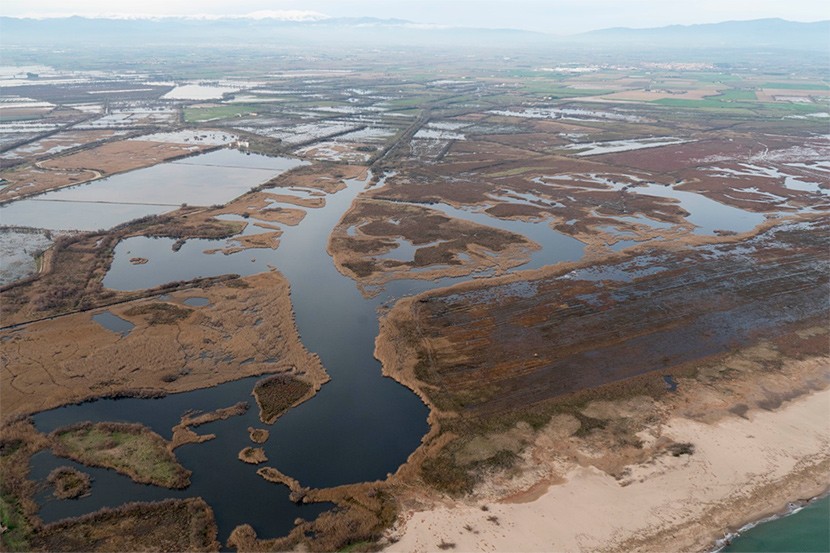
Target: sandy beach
{"type": "Point", "coordinates": [742, 469]}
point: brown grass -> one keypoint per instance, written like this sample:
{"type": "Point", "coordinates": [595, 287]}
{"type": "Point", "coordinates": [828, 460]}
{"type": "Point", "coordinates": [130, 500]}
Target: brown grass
{"type": "Point", "coordinates": [363, 513]}
{"type": "Point", "coordinates": [271, 474]}
{"type": "Point", "coordinates": [78, 264]}
{"type": "Point", "coordinates": [440, 241]}
{"type": "Point", "coordinates": [473, 353]}
{"type": "Point", "coordinates": [122, 155]}
{"type": "Point", "coordinates": [183, 432]}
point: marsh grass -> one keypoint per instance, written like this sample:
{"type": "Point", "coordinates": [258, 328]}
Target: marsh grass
{"type": "Point", "coordinates": [160, 313]}
{"type": "Point", "coordinates": [169, 525]}
{"type": "Point", "coordinates": [276, 394]}
{"type": "Point", "coordinates": [356, 524]}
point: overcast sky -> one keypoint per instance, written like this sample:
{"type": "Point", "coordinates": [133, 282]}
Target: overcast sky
{"type": "Point", "coordinates": [553, 16]}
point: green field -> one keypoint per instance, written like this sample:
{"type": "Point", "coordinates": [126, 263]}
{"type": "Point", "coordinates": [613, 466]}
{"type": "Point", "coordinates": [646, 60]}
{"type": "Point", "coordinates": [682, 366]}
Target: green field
{"type": "Point", "coordinates": [796, 86]}
{"type": "Point", "coordinates": [735, 95]}
{"type": "Point", "coordinates": [198, 115]}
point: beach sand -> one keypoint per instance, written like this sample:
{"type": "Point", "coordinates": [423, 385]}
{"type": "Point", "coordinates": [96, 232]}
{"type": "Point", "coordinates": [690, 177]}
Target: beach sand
{"type": "Point", "coordinates": [743, 468]}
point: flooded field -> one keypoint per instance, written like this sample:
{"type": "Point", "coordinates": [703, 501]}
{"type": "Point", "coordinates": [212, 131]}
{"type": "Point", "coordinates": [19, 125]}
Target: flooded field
{"type": "Point", "coordinates": [207, 179]}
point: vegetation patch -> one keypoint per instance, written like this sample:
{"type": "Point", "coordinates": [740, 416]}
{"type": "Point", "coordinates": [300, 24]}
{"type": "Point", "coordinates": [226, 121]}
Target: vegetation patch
{"type": "Point", "coordinates": [278, 393]}
{"type": "Point", "coordinates": [69, 483]}
{"type": "Point", "coordinates": [15, 528]}
{"type": "Point", "coordinates": [258, 435]}
{"type": "Point", "coordinates": [678, 449]}
{"type": "Point", "coordinates": [18, 442]}
{"type": "Point", "coordinates": [183, 432]}
{"type": "Point", "coordinates": [298, 492]}
{"type": "Point", "coordinates": [253, 455]}
{"type": "Point", "coordinates": [160, 313]}
{"type": "Point", "coordinates": [170, 525]}
{"type": "Point", "coordinates": [358, 521]}
{"type": "Point", "coordinates": [198, 115]}
{"type": "Point", "coordinates": [130, 449]}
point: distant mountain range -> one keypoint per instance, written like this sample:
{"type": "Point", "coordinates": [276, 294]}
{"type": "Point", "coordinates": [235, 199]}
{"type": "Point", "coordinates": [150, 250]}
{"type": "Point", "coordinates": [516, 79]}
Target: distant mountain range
{"type": "Point", "coordinates": [760, 33]}
{"type": "Point", "coordinates": [775, 33]}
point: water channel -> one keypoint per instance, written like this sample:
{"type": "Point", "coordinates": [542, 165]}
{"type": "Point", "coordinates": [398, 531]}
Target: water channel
{"type": "Point", "coordinates": [360, 426]}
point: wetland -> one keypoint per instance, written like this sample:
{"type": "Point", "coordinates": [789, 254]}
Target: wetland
{"type": "Point", "coordinates": [297, 310]}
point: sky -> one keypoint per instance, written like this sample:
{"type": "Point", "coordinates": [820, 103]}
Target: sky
{"type": "Point", "coordinates": [550, 16]}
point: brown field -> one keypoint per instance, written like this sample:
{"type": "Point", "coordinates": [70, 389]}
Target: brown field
{"type": "Point", "coordinates": [123, 155]}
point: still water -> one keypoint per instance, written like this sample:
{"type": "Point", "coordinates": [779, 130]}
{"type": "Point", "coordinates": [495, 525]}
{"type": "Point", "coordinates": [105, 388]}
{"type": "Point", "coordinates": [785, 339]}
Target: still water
{"type": "Point", "coordinates": [207, 179]}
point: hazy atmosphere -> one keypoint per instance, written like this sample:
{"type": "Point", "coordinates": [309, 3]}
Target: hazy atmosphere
{"type": "Point", "coordinates": [547, 16]}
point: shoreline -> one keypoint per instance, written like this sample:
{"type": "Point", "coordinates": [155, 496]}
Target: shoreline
{"type": "Point", "coordinates": [793, 507]}
{"type": "Point", "coordinates": [744, 471]}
